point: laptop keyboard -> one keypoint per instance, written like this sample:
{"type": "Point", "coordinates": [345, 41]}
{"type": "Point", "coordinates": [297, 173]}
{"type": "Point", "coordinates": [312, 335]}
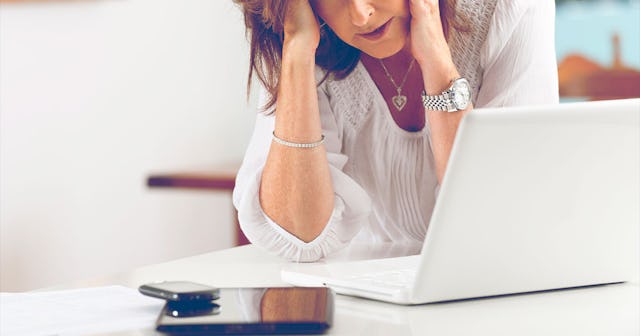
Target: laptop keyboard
{"type": "Point", "coordinates": [391, 279]}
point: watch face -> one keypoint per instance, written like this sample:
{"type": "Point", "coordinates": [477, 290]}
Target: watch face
{"type": "Point", "coordinates": [461, 93]}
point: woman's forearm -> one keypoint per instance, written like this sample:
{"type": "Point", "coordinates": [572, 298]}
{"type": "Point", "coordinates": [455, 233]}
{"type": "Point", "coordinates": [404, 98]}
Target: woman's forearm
{"type": "Point", "coordinates": [431, 50]}
{"type": "Point", "coordinates": [437, 77]}
{"type": "Point", "coordinates": [296, 189]}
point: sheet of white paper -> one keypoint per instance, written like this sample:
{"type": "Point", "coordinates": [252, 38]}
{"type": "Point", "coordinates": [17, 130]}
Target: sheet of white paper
{"type": "Point", "coordinates": [77, 312]}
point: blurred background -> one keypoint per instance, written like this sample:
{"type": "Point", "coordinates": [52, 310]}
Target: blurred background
{"type": "Point", "coordinates": [121, 123]}
{"type": "Point", "coordinates": [598, 48]}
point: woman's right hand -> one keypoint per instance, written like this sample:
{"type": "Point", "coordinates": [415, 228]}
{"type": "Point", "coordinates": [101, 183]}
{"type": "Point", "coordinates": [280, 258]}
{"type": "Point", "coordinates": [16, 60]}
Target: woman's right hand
{"type": "Point", "coordinates": [301, 27]}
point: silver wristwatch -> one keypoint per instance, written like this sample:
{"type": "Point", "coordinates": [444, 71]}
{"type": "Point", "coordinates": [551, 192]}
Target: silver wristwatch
{"type": "Point", "coordinates": [455, 98]}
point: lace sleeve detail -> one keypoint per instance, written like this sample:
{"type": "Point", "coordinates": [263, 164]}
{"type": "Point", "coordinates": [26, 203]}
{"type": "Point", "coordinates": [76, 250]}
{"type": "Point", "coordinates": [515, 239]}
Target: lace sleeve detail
{"type": "Point", "coordinates": [351, 99]}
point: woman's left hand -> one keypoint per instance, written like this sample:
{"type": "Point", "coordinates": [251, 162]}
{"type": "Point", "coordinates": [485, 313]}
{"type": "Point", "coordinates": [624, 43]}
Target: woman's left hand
{"type": "Point", "coordinates": [428, 43]}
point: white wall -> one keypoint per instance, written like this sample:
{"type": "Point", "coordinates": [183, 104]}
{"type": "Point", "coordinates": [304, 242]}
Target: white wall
{"type": "Point", "coordinates": [94, 95]}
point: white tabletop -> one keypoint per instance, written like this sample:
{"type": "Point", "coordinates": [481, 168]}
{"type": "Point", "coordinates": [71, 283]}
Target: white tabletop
{"type": "Point", "coordinates": [599, 310]}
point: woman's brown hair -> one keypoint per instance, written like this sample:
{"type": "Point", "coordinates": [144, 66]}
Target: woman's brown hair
{"type": "Point", "coordinates": [264, 20]}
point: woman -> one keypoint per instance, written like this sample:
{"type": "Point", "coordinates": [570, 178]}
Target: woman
{"type": "Point", "coordinates": [357, 133]}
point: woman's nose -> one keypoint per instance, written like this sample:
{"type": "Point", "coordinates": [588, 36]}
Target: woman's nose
{"type": "Point", "coordinates": [360, 11]}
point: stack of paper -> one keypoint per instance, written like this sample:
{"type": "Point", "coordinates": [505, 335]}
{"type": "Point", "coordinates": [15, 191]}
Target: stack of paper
{"type": "Point", "coordinates": [76, 312]}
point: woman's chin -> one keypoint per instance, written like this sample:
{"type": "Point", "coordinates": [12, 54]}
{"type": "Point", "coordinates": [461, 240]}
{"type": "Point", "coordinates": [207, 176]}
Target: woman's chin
{"type": "Point", "coordinates": [384, 51]}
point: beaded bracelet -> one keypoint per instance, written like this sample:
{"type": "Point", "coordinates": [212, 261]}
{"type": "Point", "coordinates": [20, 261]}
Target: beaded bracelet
{"type": "Point", "coordinates": [297, 145]}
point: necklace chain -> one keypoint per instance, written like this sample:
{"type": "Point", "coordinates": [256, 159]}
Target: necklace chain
{"type": "Point", "coordinates": [404, 80]}
{"type": "Point", "coordinates": [400, 100]}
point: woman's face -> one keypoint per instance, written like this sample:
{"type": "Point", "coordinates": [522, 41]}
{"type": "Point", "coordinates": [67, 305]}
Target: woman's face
{"type": "Point", "coordinates": [378, 28]}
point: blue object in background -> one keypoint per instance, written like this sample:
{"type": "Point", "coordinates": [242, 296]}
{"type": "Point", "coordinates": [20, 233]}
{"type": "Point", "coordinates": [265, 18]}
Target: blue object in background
{"type": "Point", "coordinates": [586, 28]}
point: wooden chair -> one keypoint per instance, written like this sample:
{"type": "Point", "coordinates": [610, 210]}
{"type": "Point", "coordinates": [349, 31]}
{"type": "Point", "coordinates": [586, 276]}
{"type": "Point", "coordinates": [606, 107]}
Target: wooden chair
{"type": "Point", "coordinates": [216, 179]}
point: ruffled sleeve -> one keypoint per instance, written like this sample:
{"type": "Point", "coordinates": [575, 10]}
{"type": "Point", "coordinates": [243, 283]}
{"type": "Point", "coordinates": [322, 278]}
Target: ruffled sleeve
{"type": "Point", "coordinates": [518, 57]}
{"type": "Point", "coordinates": [352, 205]}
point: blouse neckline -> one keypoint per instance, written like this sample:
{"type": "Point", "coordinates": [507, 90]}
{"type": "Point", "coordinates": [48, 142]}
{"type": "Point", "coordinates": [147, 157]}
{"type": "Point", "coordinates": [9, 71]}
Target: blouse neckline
{"type": "Point", "coordinates": [385, 109]}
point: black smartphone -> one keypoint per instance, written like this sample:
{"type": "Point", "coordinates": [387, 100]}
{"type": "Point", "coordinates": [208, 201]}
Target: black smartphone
{"type": "Point", "coordinates": [181, 292]}
{"type": "Point", "coordinates": [256, 311]}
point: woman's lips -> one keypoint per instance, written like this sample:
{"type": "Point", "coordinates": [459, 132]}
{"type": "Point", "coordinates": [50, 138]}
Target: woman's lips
{"type": "Point", "coordinates": [378, 33]}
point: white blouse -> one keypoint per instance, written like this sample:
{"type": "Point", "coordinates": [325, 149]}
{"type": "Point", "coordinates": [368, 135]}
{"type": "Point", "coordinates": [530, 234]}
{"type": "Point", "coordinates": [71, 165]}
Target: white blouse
{"type": "Point", "coordinates": [384, 177]}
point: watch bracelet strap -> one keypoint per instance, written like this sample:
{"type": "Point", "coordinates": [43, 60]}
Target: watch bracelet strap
{"type": "Point", "coordinates": [436, 103]}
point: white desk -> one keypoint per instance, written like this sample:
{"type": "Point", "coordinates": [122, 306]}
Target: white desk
{"type": "Point", "coordinates": [601, 310]}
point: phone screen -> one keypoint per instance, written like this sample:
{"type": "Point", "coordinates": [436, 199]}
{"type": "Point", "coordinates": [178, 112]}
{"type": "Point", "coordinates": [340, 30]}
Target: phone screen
{"type": "Point", "coordinates": [257, 310]}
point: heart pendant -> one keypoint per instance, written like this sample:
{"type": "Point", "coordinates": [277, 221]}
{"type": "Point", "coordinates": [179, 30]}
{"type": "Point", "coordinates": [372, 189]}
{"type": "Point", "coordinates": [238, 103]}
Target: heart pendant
{"type": "Point", "coordinates": [399, 101]}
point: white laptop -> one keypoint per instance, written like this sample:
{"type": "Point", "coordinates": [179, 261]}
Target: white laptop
{"type": "Point", "coordinates": [534, 198]}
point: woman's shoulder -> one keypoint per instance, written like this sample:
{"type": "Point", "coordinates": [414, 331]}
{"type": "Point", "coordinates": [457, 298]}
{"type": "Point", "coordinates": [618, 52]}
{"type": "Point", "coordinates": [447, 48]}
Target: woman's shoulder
{"type": "Point", "coordinates": [486, 25]}
{"type": "Point", "coordinates": [509, 14]}
{"type": "Point", "coordinates": [480, 15]}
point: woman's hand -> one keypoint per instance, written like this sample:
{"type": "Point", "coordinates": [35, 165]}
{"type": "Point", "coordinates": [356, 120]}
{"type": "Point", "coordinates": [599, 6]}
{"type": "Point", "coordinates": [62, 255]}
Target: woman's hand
{"type": "Point", "coordinates": [429, 46]}
{"type": "Point", "coordinates": [301, 28]}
